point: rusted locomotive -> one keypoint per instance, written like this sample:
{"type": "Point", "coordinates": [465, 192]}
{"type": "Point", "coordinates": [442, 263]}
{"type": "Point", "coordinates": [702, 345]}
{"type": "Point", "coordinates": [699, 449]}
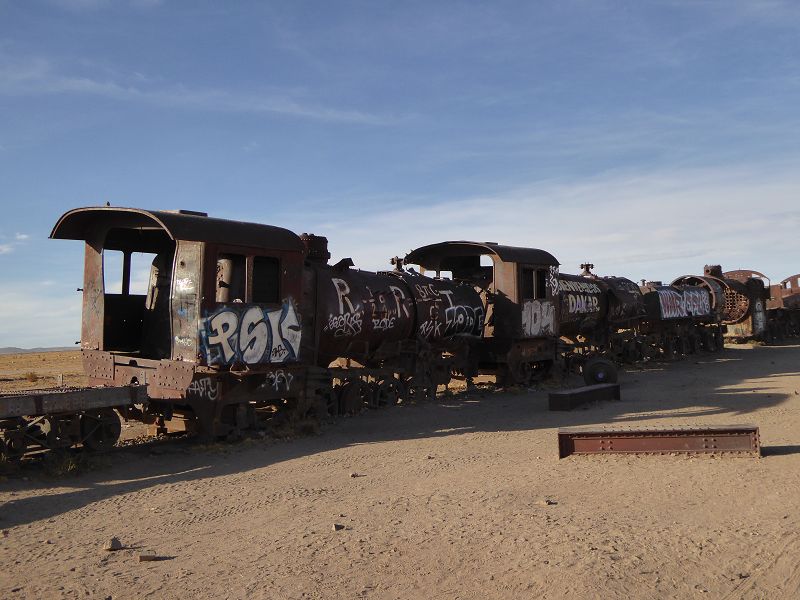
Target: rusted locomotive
{"type": "Point", "coordinates": [616, 318]}
{"type": "Point", "coordinates": [517, 289]}
{"type": "Point", "coordinates": [238, 323]}
{"type": "Point", "coordinates": [227, 326]}
{"type": "Point", "coordinates": [776, 307]}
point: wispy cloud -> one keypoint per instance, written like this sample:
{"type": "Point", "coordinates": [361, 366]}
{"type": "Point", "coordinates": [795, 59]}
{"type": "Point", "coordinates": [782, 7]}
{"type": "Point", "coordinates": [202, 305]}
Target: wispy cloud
{"type": "Point", "coordinates": [88, 5]}
{"type": "Point", "coordinates": [658, 224]}
{"type": "Point", "coordinates": [35, 320]}
{"type": "Point", "coordinates": [34, 77]}
{"type": "Point", "coordinates": [9, 247]}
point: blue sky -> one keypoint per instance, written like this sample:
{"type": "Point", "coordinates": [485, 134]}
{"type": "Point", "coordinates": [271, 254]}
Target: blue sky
{"type": "Point", "coordinates": [649, 137]}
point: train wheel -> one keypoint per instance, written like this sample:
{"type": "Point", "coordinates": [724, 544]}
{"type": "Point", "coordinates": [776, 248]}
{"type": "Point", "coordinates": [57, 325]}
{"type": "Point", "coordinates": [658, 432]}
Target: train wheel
{"type": "Point", "coordinates": [352, 396]}
{"type": "Point", "coordinates": [523, 374]}
{"type": "Point", "coordinates": [12, 450]}
{"type": "Point", "coordinates": [710, 342]}
{"type": "Point", "coordinates": [14, 442]}
{"type": "Point", "coordinates": [599, 370]}
{"type": "Point", "coordinates": [719, 338]}
{"type": "Point", "coordinates": [387, 392]}
{"type": "Point", "coordinates": [100, 430]}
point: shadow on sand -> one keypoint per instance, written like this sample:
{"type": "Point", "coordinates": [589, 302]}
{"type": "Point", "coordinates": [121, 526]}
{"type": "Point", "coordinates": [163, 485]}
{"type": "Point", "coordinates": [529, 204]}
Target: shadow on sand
{"type": "Point", "coordinates": [715, 379]}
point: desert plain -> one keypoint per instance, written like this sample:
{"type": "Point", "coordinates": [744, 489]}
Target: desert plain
{"type": "Point", "coordinates": [464, 497]}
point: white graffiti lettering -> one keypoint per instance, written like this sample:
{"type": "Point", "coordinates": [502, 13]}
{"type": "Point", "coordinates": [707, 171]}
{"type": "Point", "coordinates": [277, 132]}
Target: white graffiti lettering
{"type": "Point", "coordinates": [279, 380]}
{"type": "Point", "coordinates": [463, 320]}
{"type": "Point", "coordinates": [426, 291]}
{"type": "Point", "coordinates": [384, 324]}
{"type": "Point", "coordinates": [345, 325]}
{"type": "Point", "coordinates": [552, 280]}
{"type": "Point", "coordinates": [585, 287]}
{"type": "Point", "coordinates": [251, 335]}
{"type": "Point", "coordinates": [679, 305]}
{"type": "Point", "coordinates": [205, 388]}
{"type": "Point", "coordinates": [182, 341]}
{"type": "Point", "coordinates": [430, 328]}
{"type": "Point", "coordinates": [184, 285]}
{"type": "Point", "coordinates": [399, 298]}
{"type": "Point", "coordinates": [538, 318]}
{"type": "Point", "coordinates": [343, 290]}
{"type": "Point", "coordinates": [582, 303]}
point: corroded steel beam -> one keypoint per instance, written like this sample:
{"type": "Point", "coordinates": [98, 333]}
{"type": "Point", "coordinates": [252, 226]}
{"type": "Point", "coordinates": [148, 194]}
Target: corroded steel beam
{"type": "Point", "coordinates": [44, 402]}
{"type": "Point", "coordinates": [741, 439]}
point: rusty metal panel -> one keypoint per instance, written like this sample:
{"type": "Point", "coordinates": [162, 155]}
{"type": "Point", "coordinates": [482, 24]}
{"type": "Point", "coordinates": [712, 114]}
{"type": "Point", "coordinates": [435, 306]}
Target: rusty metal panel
{"type": "Point", "coordinates": [740, 439]}
{"type": "Point", "coordinates": [45, 402]}
{"type": "Point", "coordinates": [173, 375]}
{"type": "Point", "coordinates": [98, 364]}
{"type": "Point", "coordinates": [569, 399]}
{"type": "Point", "coordinates": [186, 285]}
{"type": "Point", "coordinates": [93, 296]}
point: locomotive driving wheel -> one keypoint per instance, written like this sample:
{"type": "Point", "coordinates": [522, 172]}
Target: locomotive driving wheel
{"type": "Point", "coordinates": [599, 370]}
{"type": "Point", "coordinates": [14, 440]}
{"type": "Point", "coordinates": [100, 429]}
{"type": "Point", "coordinates": [522, 374]}
{"type": "Point", "coordinates": [387, 392]}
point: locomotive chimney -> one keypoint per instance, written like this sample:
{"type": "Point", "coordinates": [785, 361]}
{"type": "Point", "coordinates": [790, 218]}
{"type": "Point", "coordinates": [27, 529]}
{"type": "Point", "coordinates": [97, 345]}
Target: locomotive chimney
{"type": "Point", "coordinates": [587, 269]}
{"type": "Point", "coordinates": [316, 247]}
{"type": "Point", "coordinates": [712, 271]}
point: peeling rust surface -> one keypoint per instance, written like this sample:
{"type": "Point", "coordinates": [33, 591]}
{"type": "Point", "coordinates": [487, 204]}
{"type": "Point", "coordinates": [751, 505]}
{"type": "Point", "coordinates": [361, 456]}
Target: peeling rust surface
{"type": "Point", "coordinates": [739, 439]}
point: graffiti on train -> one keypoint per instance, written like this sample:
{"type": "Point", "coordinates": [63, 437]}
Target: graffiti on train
{"type": "Point", "coordinates": [250, 334]}
{"type": "Point", "coordinates": [677, 305]}
{"type": "Point", "coordinates": [538, 318]}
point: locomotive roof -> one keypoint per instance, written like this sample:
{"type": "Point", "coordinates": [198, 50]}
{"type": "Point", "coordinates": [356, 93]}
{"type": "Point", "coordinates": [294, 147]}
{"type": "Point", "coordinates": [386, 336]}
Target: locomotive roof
{"type": "Point", "coordinates": [182, 225]}
{"type": "Point", "coordinates": [431, 256]}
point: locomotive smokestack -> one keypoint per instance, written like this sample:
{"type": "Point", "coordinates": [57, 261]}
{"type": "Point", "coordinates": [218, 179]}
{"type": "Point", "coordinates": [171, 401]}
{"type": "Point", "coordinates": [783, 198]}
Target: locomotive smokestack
{"type": "Point", "coordinates": [712, 271]}
{"type": "Point", "coordinates": [316, 247]}
{"type": "Point", "coordinates": [587, 269]}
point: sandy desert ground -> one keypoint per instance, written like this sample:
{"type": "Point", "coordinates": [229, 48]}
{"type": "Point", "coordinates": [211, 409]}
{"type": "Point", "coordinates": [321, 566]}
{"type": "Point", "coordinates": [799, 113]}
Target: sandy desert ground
{"type": "Point", "coordinates": [462, 498]}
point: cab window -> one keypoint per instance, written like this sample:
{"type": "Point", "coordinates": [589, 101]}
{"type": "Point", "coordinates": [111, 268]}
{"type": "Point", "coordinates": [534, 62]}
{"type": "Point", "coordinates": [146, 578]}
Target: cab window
{"type": "Point", "coordinates": [266, 280]}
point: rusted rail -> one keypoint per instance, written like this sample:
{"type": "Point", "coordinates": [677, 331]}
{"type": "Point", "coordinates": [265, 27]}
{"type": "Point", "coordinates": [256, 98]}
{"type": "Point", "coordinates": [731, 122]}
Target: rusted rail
{"type": "Point", "coordinates": [739, 439]}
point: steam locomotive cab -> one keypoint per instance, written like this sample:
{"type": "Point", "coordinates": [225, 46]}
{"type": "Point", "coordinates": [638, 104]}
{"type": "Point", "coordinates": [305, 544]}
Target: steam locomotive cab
{"type": "Point", "coordinates": [186, 304]}
{"type": "Point", "coordinates": [518, 290]}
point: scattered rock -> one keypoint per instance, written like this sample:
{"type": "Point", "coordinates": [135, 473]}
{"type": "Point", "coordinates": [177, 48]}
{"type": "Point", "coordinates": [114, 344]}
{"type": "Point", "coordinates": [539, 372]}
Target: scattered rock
{"type": "Point", "coordinates": [429, 457]}
{"type": "Point", "coordinates": [148, 558]}
{"type": "Point", "coordinates": [48, 541]}
{"type": "Point", "coordinates": [5, 532]}
{"type": "Point", "coordinates": [744, 575]}
{"type": "Point", "coordinates": [546, 502]}
{"type": "Point", "coordinates": [337, 527]}
{"type": "Point", "coordinates": [357, 475]}
{"type": "Point", "coordinates": [112, 545]}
